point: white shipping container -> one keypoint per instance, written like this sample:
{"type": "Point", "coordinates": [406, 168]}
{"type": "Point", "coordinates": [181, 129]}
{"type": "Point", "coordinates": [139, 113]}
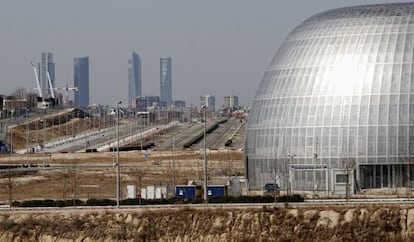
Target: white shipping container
{"type": "Point", "coordinates": [131, 191]}
{"type": "Point", "coordinates": [161, 192]}
{"type": "Point", "coordinates": [144, 193]}
{"type": "Point", "coordinates": [150, 192]}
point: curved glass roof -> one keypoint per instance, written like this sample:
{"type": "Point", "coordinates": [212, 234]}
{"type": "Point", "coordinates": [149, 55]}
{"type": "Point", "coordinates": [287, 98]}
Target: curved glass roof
{"type": "Point", "coordinates": [341, 85]}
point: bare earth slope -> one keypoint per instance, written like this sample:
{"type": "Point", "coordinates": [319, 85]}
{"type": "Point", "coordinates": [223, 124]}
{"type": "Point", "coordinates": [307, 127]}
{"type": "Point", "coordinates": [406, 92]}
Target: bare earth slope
{"type": "Point", "coordinates": [368, 223]}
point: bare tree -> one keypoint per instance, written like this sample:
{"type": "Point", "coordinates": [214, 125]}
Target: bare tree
{"type": "Point", "coordinates": [275, 174]}
{"type": "Point", "coordinates": [19, 93]}
{"type": "Point", "coordinates": [349, 165]}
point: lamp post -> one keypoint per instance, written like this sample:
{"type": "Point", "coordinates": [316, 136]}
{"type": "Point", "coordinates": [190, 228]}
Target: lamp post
{"type": "Point", "coordinates": [11, 134]}
{"type": "Point", "coordinates": [11, 141]}
{"type": "Point", "coordinates": [27, 133]}
{"type": "Point", "coordinates": [205, 158]}
{"type": "Point", "coordinates": [118, 182]}
{"type": "Point", "coordinates": [173, 162]}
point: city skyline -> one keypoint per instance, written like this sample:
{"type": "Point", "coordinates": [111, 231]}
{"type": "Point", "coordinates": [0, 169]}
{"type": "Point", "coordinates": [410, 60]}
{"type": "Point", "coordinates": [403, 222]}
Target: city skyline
{"type": "Point", "coordinates": [215, 49]}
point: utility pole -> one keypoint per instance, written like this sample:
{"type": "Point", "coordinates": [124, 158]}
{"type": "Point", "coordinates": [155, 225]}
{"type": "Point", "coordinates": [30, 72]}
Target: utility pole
{"type": "Point", "coordinates": [118, 175]}
{"type": "Point", "coordinates": [173, 162]}
{"type": "Point", "coordinates": [27, 134]}
{"type": "Point", "coordinates": [74, 185]}
{"type": "Point", "coordinates": [205, 158]}
{"type": "Point", "coordinates": [10, 189]}
{"type": "Point", "coordinates": [11, 142]}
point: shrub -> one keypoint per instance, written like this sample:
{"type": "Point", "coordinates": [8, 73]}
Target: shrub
{"type": "Point", "coordinates": [31, 203]}
{"type": "Point", "coordinates": [130, 201]}
{"type": "Point", "coordinates": [242, 199]}
{"type": "Point", "coordinates": [196, 201]}
{"type": "Point", "coordinates": [292, 198]}
{"type": "Point", "coordinates": [60, 203]}
{"type": "Point", "coordinates": [100, 202]}
{"type": "Point", "coordinates": [7, 224]}
{"type": "Point", "coordinates": [50, 203]}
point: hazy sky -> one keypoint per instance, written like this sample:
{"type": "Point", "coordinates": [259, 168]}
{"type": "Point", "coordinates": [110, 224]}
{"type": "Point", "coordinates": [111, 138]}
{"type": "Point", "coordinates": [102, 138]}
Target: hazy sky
{"type": "Point", "coordinates": [219, 47]}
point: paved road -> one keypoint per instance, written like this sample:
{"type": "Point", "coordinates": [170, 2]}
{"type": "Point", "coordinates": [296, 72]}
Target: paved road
{"type": "Point", "coordinates": [402, 202]}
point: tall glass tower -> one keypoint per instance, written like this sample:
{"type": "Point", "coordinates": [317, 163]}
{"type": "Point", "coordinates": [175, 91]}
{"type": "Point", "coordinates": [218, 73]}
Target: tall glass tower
{"type": "Point", "coordinates": [134, 78]}
{"type": "Point", "coordinates": [165, 81]}
{"type": "Point", "coordinates": [46, 65]}
{"type": "Point", "coordinates": [81, 80]}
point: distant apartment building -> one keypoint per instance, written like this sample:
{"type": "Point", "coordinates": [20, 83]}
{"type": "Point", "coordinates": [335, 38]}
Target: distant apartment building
{"type": "Point", "coordinates": [179, 103]}
{"type": "Point", "coordinates": [81, 80]}
{"type": "Point", "coordinates": [165, 81]}
{"type": "Point", "coordinates": [231, 101]}
{"type": "Point", "coordinates": [134, 78]}
{"type": "Point", "coordinates": [153, 101]}
{"type": "Point", "coordinates": [143, 103]}
{"type": "Point", "coordinates": [45, 67]}
{"type": "Point", "coordinates": [208, 101]}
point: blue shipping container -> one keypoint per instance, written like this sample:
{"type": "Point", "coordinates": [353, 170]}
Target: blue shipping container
{"type": "Point", "coordinates": [185, 192]}
{"type": "Point", "coordinates": [216, 191]}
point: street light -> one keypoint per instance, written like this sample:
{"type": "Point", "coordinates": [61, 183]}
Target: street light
{"type": "Point", "coordinates": [173, 161]}
{"type": "Point", "coordinates": [117, 164]}
{"type": "Point", "coordinates": [27, 133]}
{"type": "Point", "coordinates": [11, 141]}
{"type": "Point", "coordinates": [205, 158]}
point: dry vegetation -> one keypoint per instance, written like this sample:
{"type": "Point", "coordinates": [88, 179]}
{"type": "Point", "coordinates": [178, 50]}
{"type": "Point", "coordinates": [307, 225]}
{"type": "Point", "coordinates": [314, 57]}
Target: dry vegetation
{"type": "Point", "coordinates": [94, 175]}
{"type": "Point", "coordinates": [370, 223]}
{"type": "Point", "coordinates": [53, 126]}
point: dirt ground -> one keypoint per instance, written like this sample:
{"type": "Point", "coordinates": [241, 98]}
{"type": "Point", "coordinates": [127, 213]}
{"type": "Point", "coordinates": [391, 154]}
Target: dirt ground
{"type": "Point", "coordinates": [92, 175]}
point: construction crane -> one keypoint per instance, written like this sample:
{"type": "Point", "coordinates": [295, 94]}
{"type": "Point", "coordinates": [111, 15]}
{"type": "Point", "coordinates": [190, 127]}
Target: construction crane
{"type": "Point", "coordinates": [44, 103]}
{"type": "Point", "coordinates": [50, 83]}
{"type": "Point", "coordinates": [52, 89]}
{"type": "Point", "coordinates": [67, 89]}
{"type": "Point", "coordinates": [39, 89]}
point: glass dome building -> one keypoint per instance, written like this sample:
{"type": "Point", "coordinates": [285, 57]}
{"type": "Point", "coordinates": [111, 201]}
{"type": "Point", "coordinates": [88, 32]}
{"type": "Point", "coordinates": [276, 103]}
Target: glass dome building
{"type": "Point", "coordinates": [337, 101]}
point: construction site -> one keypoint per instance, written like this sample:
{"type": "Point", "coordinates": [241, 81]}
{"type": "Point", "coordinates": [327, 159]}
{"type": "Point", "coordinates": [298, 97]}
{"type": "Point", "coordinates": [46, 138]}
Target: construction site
{"type": "Point", "coordinates": [71, 155]}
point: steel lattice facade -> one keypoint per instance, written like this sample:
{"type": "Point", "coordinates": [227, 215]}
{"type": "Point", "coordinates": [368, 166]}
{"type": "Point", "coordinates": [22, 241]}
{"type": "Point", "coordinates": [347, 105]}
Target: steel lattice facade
{"type": "Point", "coordinates": [340, 88]}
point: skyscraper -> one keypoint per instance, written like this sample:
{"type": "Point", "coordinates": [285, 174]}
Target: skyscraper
{"type": "Point", "coordinates": [46, 65]}
{"type": "Point", "coordinates": [208, 101]}
{"type": "Point", "coordinates": [165, 81]}
{"type": "Point", "coordinates": [81, 80]}
{"type": "Point", "coordinates": [134, 77]}
{"type": "Point", "coordinates": [231, 101]}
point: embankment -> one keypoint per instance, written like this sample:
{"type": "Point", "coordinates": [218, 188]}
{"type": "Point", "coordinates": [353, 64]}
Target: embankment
{"type": "Point", "coordinates": [330, 223]}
